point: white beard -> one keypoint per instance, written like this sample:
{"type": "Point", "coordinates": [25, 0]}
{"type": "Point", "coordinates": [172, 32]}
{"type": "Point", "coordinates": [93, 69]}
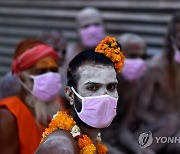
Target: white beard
{"type": "Point", "coordinates": [40, 110]}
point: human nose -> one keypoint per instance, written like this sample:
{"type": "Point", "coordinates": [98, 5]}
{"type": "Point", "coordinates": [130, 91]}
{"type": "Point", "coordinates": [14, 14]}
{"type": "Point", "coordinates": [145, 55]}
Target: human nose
{"type": "Point", "coordinates": [105, 91]}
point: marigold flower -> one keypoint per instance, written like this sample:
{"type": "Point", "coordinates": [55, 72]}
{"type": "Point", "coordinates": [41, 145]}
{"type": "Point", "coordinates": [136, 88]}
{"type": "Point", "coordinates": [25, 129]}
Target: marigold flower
{"type": "Point", "coordinates": [102, 149]}
{"type": "Point", "coordinates": [85, 140]}
{"type": "Point", "coordinates": [66, 122]}
{"type": "Point", "coordinates": [109, 47]}
{"type": "Point", "coordinates": [89, 149]}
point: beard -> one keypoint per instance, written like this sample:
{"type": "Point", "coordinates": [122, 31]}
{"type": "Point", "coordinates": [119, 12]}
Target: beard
{"type": "Point", "coordinates": [42, 111]}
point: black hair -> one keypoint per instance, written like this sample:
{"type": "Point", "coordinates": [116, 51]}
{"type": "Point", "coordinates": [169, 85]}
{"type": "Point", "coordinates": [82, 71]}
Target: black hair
{"type": "Point", "coordinates": [85, 57]}
{"type": "Point", "coordinates": [171, 33]}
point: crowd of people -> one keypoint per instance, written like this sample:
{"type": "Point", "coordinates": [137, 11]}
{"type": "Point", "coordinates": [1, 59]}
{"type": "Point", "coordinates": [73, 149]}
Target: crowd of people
{"type": "Point", "coordinates": [95, 96]}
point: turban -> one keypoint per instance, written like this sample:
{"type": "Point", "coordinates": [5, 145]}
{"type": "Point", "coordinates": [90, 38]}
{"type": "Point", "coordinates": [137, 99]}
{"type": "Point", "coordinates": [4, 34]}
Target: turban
{"type": "Point", "coordinates": [32, 56]}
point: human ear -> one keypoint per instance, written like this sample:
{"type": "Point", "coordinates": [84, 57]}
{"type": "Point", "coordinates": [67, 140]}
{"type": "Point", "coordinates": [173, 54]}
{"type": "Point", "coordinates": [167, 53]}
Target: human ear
{"type": "Point", "coordinates": [21, 76]}
{"type": "Point", "coordinates": [69, 95]}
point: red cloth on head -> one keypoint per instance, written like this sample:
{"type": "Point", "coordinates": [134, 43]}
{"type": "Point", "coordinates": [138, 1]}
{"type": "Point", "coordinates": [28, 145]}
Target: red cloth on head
{"type": "Point", "coordinates": [32, 56]}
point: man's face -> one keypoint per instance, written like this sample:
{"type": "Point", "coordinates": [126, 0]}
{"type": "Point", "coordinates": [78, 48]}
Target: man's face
{"type": "Point", "coordinates": [97, 80]}
{"type": "Point", "coordinates": [47, 64]}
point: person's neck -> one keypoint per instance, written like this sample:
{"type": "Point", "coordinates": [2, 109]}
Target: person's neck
{"type": "Point", "coordinates": [91, 132]}
{"type": "Point", "coordinates": [86, 130]}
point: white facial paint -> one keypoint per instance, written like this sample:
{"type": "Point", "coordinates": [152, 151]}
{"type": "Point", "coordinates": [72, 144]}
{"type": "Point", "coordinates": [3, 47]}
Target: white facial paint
{"type": "Point", "coordinates": [102, 75]}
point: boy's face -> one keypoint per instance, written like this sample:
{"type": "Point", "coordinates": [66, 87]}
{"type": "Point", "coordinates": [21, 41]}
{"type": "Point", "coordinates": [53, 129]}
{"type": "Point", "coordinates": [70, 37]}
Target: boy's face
{"type": "Point", "coordinates": [97, 80]}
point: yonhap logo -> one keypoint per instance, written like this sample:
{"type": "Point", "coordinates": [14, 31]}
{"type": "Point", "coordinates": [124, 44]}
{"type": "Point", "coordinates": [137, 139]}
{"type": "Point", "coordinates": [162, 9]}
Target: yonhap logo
{"type": "Point", "coordinates": [145, 139]}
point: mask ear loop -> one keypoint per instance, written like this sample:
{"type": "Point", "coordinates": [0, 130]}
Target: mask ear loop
{"type": "Point", "coordinates": [76, 93]}
{"type": "Point", "coordinates": [25, 86]}
{"type": "Point", "coordinates": [79, 97]}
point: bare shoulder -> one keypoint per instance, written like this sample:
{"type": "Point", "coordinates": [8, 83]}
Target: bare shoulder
{"type": "Point", "coordinates": [57, 142]}
{"type": "Point", "coordinates": [9, 141]}
{"type": "Point", "coordinates": [6, 117]}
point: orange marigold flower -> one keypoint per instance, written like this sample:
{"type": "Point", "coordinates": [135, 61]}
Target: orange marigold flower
{"type": "Point", "coordinates": [102, 149]}
{"type": "Point", "coordinates": [65, 122]}
{"type": "Point", "coordinates": [89, 149]}
{"type": "Point", "coordinates": [109, 47]}
{"type": "Point", "coordinates": [119, 66]}
{"type": "Point", "coordinates": [85, 140]}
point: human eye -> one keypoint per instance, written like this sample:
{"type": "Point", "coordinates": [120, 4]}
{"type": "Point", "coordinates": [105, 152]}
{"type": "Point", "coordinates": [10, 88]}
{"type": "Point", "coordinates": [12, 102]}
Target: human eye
{"type": "Point", "coordinates": [41, 71]}
{"type": "Point", "coordinates": [55, 69]}
{"type": "Point", "coordinates": [112, 87]}
{"type": "Point", "coordinates": [92, 87]}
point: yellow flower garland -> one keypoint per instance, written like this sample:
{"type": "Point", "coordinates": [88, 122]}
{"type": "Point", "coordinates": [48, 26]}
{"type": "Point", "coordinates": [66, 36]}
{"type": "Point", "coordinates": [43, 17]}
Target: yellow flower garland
{"type": "Point", "coordinates": [109, 47]}
{"type": "Point", "coordinates": [65, 122]}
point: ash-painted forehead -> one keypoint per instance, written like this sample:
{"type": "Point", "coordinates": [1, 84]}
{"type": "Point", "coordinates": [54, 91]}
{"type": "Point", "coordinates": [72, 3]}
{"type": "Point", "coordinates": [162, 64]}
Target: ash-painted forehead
{"type": "Point", "coordinates": [97, 74]}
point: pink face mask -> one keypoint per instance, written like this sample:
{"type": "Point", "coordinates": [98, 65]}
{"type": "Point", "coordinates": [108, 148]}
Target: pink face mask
{"type": "Point", "coordinates": [92, 35]}
{"type": "Point", "coordinates": [97, 111]}
{"type": "Point", "coordinates": [133, 69]}
{"type": "Point", "coordinates": [46, 86]}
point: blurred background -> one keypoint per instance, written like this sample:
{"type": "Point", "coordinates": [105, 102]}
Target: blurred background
{"type": "Point", "coordinates": [28, 18]}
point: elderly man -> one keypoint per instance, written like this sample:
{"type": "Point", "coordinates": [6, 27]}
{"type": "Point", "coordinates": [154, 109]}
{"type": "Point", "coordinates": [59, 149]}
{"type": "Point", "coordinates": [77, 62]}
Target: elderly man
{"type": "Point", "coordinates": [121, 132]}
{"type": "Point", "coordinates": [23, 117]}
{"type": "Point", "coordinates": [92, 94]}
{"type": "Point", "coordinates": [90, 31]}
{"type": "Point", "coordinates": [57, 40]}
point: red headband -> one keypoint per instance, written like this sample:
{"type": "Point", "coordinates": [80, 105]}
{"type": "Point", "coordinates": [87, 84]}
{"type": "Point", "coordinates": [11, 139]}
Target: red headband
{"type": "Point", "coordinates": [32, 56]}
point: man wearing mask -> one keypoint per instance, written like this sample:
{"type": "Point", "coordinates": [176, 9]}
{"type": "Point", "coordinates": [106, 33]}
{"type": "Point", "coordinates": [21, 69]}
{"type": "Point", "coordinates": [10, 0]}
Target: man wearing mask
{"type": "Point", "coordinates": [92, 94]}
{"type": "Point", "coordinates": [90, 31]}
{"type": "Point", "coordinates": [134, 49]}
{"type": "Point", "coordinates": [57, 40]}
{"type": "Point", "coordinates": [125, 123]}
{"type": "Point", "coordinates": [159, 101]}
{"type": "Point", "coordinates": [23, 117]}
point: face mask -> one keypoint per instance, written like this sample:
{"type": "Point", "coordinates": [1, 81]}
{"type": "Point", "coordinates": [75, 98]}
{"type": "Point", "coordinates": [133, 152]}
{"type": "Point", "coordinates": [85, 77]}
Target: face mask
{"type": "Point", "coordinates": [92, 35]}
{"type": "Point", "coordinates": [133, 69]}
{"type": "Point", "coordinates": [176, 54]}
{"type": "Point", "coordinates": [97, 111]}
{"type": "Point", "coordinates": [46, 86]}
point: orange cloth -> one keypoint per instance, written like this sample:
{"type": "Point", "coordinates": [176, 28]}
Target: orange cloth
{"type": "Point", "coordinates": [29, 132]}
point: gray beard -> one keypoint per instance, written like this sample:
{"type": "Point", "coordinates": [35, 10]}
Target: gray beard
{"type": "Point", "coordinates": [41, 111]}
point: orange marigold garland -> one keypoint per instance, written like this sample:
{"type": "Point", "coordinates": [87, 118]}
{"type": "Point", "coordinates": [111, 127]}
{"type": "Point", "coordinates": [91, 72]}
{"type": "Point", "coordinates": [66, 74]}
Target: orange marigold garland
{"type": "Point", "coordinates": [65, 122]}
{"type": "Point", "coordinates": [110, 48]}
